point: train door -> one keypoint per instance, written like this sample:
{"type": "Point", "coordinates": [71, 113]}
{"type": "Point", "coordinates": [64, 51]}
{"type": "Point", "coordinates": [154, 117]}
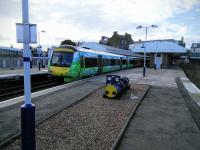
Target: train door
{"type": "Point", "coordinates": [82, 66]}
{"type": "Point", "coordinates": [127, 61]}
{"type": "Point", "coordinates": [120, 62]}
{"type": "Point", "coordinates": [100, 64]}
{"type": "Point", "coordinates": [158, 60]}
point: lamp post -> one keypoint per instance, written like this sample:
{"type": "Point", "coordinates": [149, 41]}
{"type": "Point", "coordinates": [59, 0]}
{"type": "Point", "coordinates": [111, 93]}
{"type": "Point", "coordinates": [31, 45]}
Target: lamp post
{"type": "Point", "coordinates": [27, 109]}
{"type": "Point", "coordinates": [143, 46]}
{"type": "Point", "coordinates": [40, 47]}
{"type": "Point", "coordinates": [42, 31]}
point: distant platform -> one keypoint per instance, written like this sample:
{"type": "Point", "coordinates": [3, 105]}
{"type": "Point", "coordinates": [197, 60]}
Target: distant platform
{"type": "Point", "coordinates": [16, 73]}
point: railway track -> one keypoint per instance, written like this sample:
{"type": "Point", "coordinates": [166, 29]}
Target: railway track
{"type": "Point", "coordinates": [16, 87]}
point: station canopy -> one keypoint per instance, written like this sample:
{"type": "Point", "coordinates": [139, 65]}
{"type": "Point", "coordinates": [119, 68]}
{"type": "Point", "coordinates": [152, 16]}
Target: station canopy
{"type": "Point", "coordinates": [109, 49]}
{"type": "Point", "coordinates": [157, 46]}
{"type": "Point", "coordinates": [9, 48]}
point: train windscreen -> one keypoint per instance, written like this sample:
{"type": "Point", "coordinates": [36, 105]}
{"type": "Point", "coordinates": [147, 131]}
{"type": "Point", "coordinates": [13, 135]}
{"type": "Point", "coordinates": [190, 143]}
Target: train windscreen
{"type": "Point", "coordinates": [62, 59]}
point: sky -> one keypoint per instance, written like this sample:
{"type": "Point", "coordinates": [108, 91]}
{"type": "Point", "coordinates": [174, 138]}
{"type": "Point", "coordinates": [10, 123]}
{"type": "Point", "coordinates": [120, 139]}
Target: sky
{"type": "Point", "coordinates": [88, 20]}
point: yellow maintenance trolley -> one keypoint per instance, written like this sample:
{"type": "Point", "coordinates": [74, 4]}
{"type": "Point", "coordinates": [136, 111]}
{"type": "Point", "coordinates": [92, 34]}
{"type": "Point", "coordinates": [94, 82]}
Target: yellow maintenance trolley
{"type": "Point", "coordinates": [116, 86]}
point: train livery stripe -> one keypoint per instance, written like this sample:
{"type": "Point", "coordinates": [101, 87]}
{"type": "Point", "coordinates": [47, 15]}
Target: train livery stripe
{"type": "Point", "coordinates": [64, 49]}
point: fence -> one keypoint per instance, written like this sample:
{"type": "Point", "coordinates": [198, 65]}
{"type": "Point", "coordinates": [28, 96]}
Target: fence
{"type": "Point", "coordinates": [17, 62]}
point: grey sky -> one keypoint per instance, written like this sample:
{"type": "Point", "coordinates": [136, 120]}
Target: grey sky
{"type": "Point", "coordinates": [89, 20]}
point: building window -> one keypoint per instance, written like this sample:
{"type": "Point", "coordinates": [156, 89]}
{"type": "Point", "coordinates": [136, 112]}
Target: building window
{"type": "Point", "coordinates": [158, 54]}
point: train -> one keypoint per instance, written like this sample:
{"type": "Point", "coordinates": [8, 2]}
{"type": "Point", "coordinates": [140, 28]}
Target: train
{"type": "Point", "coordinates": [69, 63]}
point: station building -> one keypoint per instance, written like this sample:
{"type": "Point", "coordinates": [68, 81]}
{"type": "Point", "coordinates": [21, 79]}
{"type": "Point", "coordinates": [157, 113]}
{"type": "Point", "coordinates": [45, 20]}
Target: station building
{"type": "Point", "coordinates": [117, 40]}
{"type": "Point", "coordinates": [195, 48]}
{"type": "Point", "coordinates": [10, 57]}
{"type": "Point", "coordinates": [162, 53]}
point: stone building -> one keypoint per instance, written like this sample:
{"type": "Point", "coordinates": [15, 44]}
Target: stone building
{"type": "Point", "coordinates": [104, 40]}
{"type": "Point", "coordinates": [117, 40]}
{"type": "Point", "coordinates": [195, 48]}
{"type": "Point", "coordinates": [162, 53]}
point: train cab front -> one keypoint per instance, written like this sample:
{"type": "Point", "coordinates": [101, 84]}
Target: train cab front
{"type": "Point", "coordinates": [60, 62]}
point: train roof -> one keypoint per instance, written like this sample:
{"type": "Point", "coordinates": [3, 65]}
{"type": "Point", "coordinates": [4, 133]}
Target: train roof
{"type": "Point", "coordinates": [109, 49]}
{"type": "Point", "coordinates": [84, 49]}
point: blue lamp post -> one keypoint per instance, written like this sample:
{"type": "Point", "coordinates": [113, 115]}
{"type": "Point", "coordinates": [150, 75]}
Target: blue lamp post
{"type": "Point", "coordinates": [143, 46]}
{"type": "Point", "coordinates": [27, 109]}
{"type": "Point", "coordinates": [144, 67]}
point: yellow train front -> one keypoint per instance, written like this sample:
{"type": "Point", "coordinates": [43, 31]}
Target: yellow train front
{"type": "Point", "coordinates": [60, 64]}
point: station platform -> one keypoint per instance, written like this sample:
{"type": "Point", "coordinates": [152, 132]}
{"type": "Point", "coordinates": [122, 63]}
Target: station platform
{"type": "Point", "coordinates": [15, 73]}
{"type": "Point", "coordinates": [163, 120]}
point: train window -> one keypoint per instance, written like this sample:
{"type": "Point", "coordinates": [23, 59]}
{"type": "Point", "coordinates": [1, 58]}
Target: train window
{"type": "Point", "coordinates": [90, 62]}
{"type": "Point", "coordinates": [131, 61]}
{"type": "Point", "coordinates": [112, 62]}
{"type": "Point", "coordinates": [124, 62]}
{"type": "Point", "coordinates": [62, 59]}
{"type": "Point", "coordinates": [117, 61]}
{"type": "Point", "coordinates": [107, 62]}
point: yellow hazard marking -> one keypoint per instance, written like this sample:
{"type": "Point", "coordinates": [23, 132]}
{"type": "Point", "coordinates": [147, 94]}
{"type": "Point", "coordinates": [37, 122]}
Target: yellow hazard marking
{"type": "Point", "coordinates": [111, 91]}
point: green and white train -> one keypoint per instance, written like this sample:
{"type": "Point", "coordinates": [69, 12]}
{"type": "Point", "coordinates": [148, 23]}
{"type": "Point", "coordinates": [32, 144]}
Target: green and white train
{"type": "Point", "coordinates": [71, 63]}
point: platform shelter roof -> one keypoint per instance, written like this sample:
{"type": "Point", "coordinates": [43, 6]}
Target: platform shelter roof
{"type": "Point", "coordinates": [157, 46]}
{"type": "Point", "coordinates": [9, 48]}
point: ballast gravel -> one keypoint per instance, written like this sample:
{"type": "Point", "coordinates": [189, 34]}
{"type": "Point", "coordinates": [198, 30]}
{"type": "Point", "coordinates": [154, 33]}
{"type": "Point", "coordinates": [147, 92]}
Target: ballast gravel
{"type": "Point", "coordinates": [91, 124]}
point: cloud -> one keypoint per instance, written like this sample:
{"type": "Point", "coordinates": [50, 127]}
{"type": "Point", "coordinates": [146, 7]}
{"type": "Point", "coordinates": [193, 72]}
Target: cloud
{"type": "Point", "coordinates": [10, 9]}
{"type": "Point", "coordinates": [165, 30]}
{"type": "Point", "coordinates": [107, 13]}
{"type": "Point", "coordinates": [89, 19]}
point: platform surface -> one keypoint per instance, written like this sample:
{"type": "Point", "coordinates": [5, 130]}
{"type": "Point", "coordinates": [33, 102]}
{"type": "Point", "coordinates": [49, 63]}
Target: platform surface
{"type": "Point", "coordinates": [162, 118]}
{"type": "Point", "coordinates": [163, 121]}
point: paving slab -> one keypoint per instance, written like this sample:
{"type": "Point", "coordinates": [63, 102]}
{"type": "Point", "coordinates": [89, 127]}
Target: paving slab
{"type": "Point", "coordinates": [162, 122]}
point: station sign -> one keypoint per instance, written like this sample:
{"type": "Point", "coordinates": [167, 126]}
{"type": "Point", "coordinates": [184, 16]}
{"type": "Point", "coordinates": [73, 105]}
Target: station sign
{"type": "Point", "coordinates": [32, 33]}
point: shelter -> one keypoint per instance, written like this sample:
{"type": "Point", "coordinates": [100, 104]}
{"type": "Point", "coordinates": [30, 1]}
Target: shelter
{"type": "Point", "coordinates": [162, 53]}
{"type": "Point", "coordinates": [10, 57]}
{"type": "Point", "coordinates": [195, 48]}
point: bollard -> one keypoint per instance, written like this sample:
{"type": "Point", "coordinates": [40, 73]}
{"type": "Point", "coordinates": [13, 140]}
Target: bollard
{"type": "Point", "coordinates": [28, 127]}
